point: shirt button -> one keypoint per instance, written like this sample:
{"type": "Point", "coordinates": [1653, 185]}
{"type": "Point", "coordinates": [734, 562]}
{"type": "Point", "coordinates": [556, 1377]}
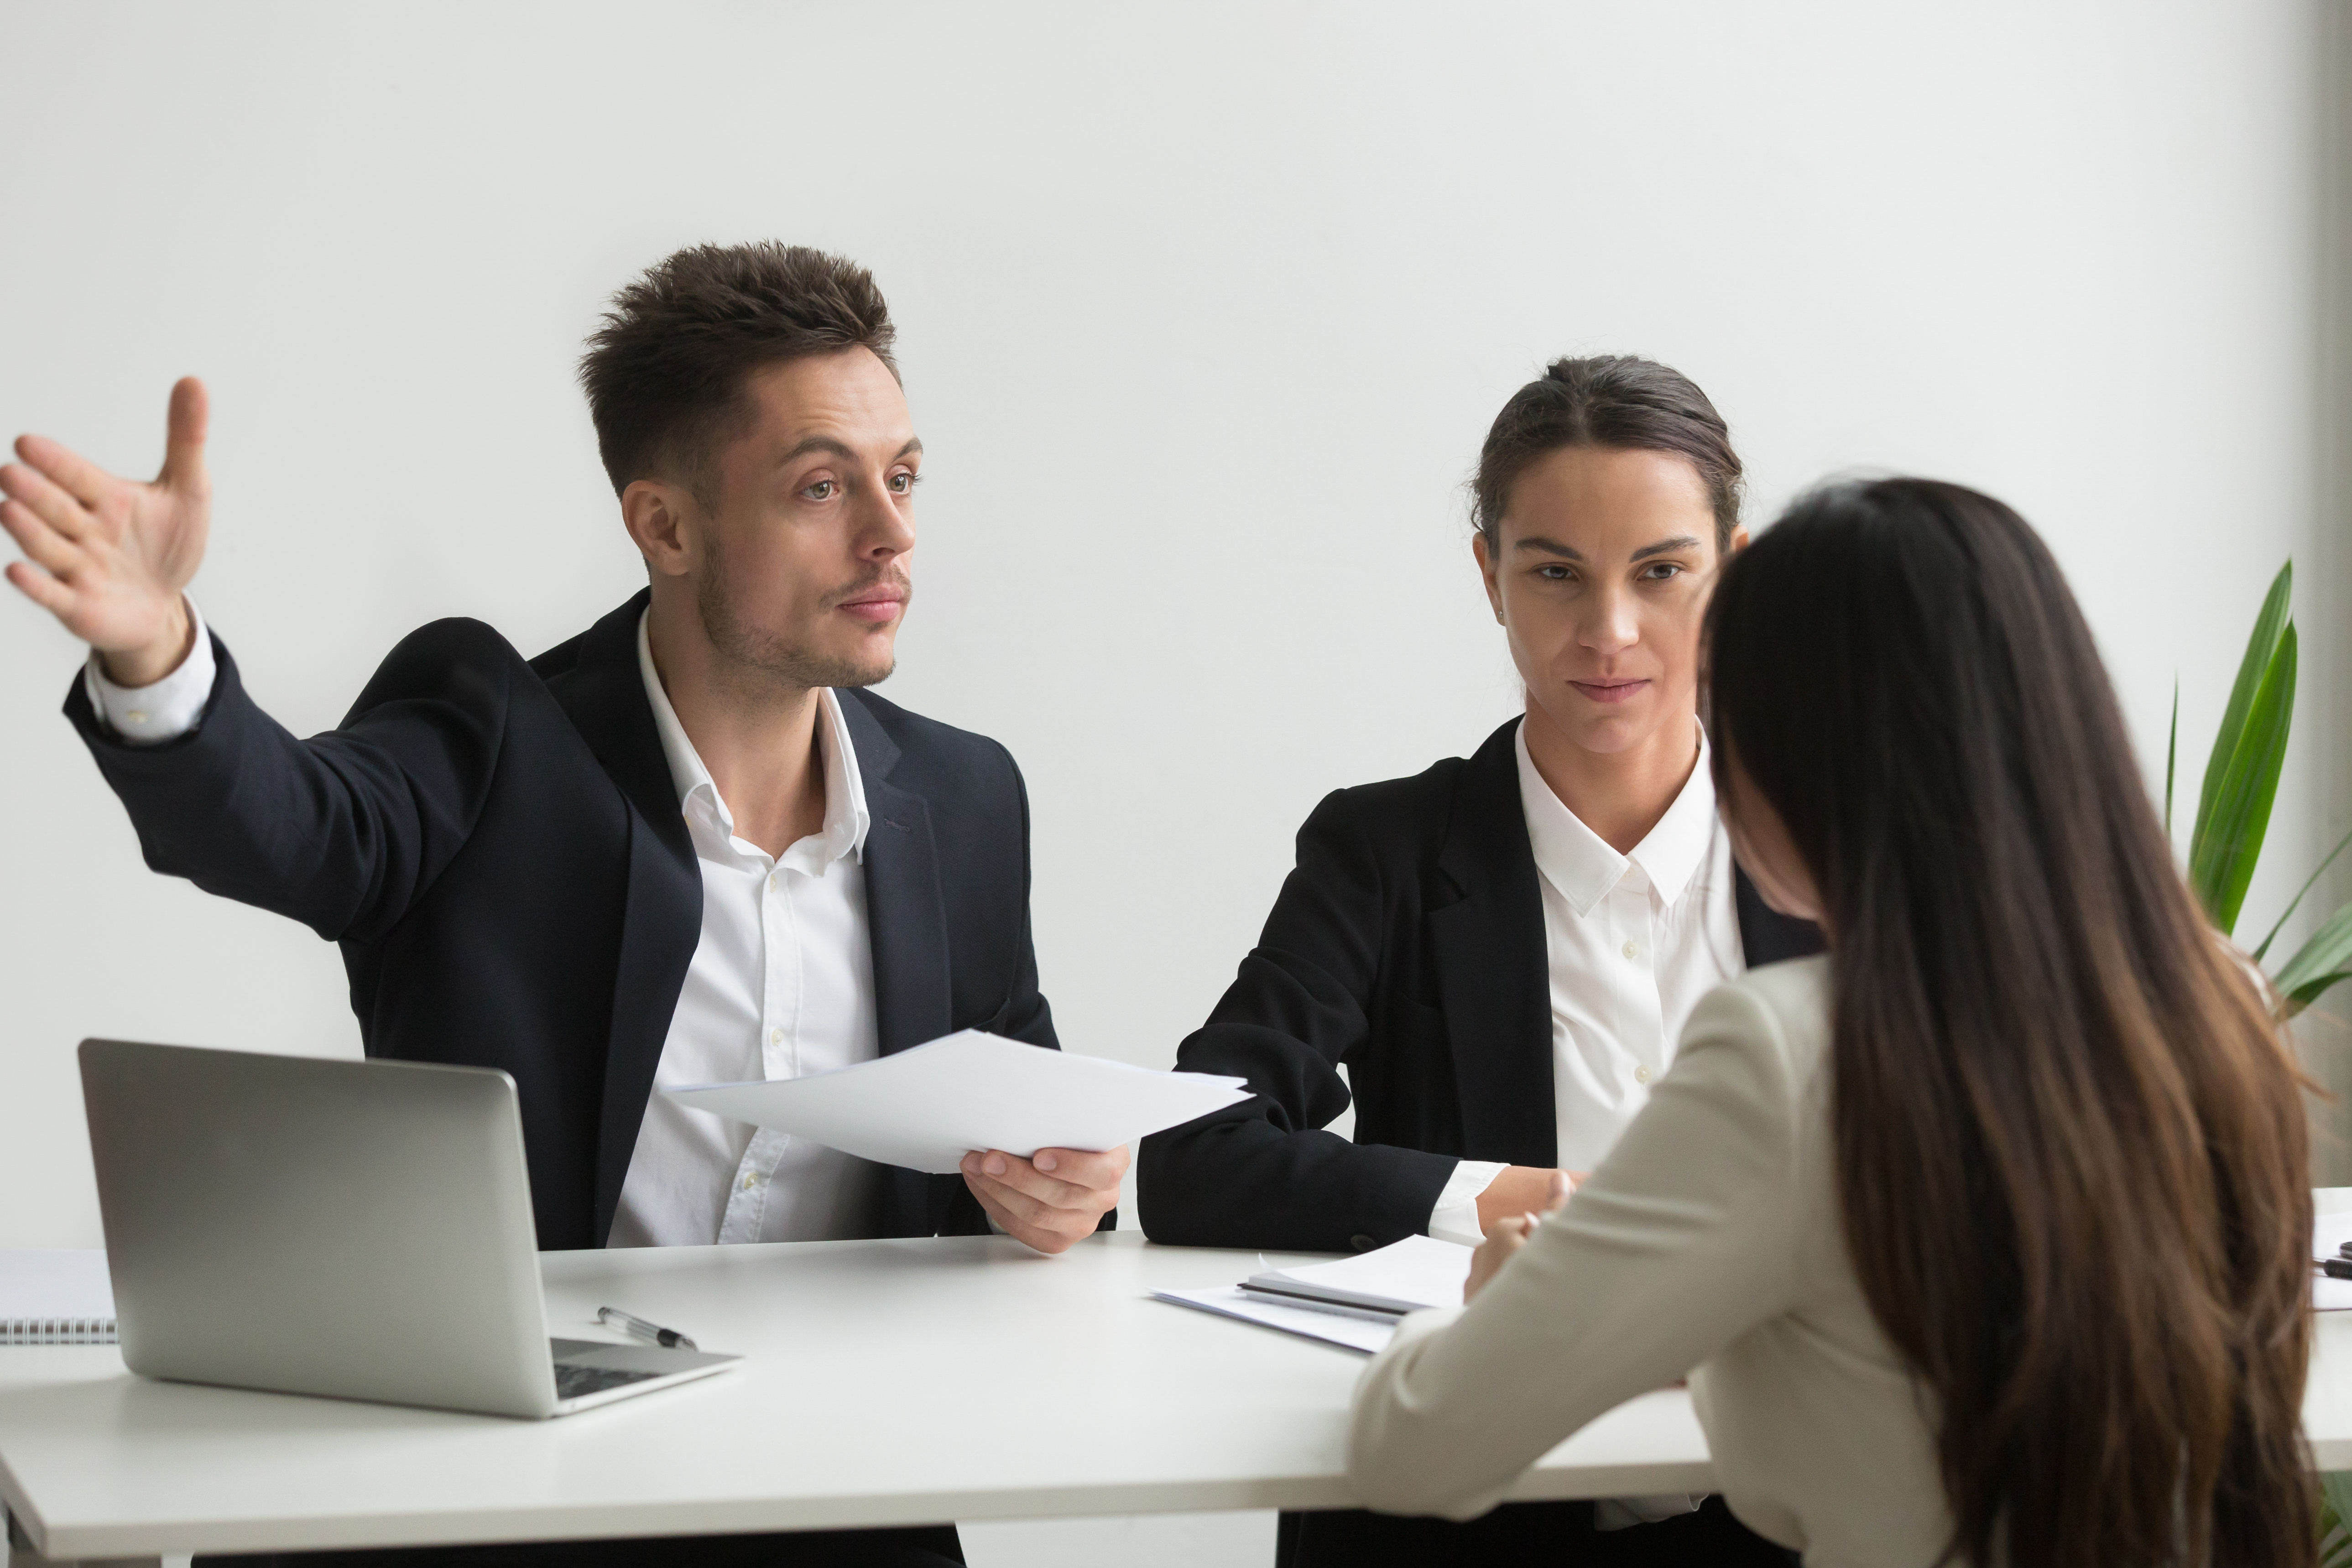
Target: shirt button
{"type": "Point", "coordinates": [137, 716]}
{"type": "Point", "coordinates": [1641, 1075]}
{"type": "Point", "coordinates": [750, 1181]}
{"type": "Point", "coordinates": [1632, 951]}
{"type": "Point", "coordinates": [776, 1037]}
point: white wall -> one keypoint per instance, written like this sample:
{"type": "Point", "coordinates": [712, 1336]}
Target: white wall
{"type": "Point", "coordinates": [1204, 312]}
{"type": "Point", "coordinates": [1204, 309]}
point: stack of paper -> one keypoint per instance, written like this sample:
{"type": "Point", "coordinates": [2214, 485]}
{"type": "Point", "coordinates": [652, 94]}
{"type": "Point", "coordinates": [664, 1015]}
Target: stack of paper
{"type": "Point", "coordinates": [60, 1298]}
{"type": "Point", "coordinates": [926, 1108]}
{"type": "Point", "coordinates": [1356, 1301]}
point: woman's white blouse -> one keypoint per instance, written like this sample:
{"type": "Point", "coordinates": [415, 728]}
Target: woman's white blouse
{"type": "Point", "coordinates": [1707, 1244]}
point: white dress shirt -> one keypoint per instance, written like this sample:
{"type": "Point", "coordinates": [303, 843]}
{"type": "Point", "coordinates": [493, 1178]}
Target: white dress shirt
{"type": "Point", "coordinates": [1711, 1242]}
{"type": "Point", "coordinates": [1633, 941]}
{"type": "Point", "coordinates": [781, 984]}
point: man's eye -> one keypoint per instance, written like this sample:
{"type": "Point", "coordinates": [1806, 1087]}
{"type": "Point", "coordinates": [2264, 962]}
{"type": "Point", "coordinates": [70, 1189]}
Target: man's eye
{"type": "Point", "coordinates": [820, 491]}
{"type": "Point", "coordinates": [1664, 571]}
{"type": "Point", "coordinates": [902, 484]}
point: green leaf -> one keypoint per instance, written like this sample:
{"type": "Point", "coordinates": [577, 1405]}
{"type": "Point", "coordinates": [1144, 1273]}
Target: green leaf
{"type": "Point", "coordinates": [2228, 839]}
{"type": "Point", "coordinates": [2335, 1509]}
{"type": "Point", "coordinates": [2171, 755]}
{"type": "Point", "coordinates": [2323, 961]}
{"type": "Point", "coordinates": [2262, 651]}
{"type": "Point", "coordinates": [2308, 883]}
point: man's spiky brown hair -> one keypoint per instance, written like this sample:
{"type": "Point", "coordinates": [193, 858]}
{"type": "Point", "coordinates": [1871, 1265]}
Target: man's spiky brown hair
{"type": "Point", "coordinates": [665, 373]}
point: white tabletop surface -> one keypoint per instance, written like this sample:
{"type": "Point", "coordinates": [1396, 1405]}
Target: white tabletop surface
{"type": "Point", "coordinates": [891, 1381]}
{"type": "Point", "coordinates": [896, 1381]}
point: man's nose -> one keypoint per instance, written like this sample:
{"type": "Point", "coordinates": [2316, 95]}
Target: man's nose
{"type": "Point", "coordinates": [884, 530]}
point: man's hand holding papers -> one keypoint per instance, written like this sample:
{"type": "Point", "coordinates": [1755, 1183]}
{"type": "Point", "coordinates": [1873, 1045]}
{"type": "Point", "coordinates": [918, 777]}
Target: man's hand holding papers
{"type": "Point", "coordinates": [1040, 1136]}
{"type": "Point", "coordinates": [1050, 1201]}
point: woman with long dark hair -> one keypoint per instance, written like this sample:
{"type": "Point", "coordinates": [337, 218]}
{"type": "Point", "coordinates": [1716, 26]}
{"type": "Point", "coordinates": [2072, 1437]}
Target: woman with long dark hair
{"type": "Point", "coordinates": [1987, 1232]}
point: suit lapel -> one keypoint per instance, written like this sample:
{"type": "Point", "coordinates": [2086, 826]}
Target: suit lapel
{"type": "Point", "coordinates": [1494, 976]}
{"type": "Point", "coordinates": [605, 694]}
{"type": "Point", "coordinates": [905, 913]}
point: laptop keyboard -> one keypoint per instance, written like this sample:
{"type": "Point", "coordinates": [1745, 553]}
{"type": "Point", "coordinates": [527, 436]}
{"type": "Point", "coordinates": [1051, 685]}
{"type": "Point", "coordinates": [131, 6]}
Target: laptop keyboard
{"type": "Point", "coordinates": [572, 1381]}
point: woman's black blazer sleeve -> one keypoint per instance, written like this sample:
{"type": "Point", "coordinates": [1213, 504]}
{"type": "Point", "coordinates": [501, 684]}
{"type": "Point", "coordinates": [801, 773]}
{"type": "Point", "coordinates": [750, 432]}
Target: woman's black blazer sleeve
{"type": "Point", "coordinates": [1332, 979]}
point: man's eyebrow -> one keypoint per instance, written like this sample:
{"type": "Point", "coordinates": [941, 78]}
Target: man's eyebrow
{"type": "Point", "coordinates": [1549, 546]}
{"type": "Point", "coordinates": [826, 444]}
{"type": "Point", "coordinates": [832, 447]}
{"type": "Point", "coordinates": [1681, 542]}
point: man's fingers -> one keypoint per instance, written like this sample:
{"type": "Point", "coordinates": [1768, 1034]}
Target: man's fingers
{"type": "Point", "coordinates": [1024, 1176]}
{"type": "Point", "coordinates": [36, 539]}
{"type": "Point", "coordinates": [1009, 1204]}
{"type": "Point", "coordinates": [184, 440]}
{"type": "Point", "coordinates": [41, 588]}
{"type": "Point", "coordinates": [59, 510]}
{"type": "Point", "coordinates": [66, 469]}
{"type": "Point", "coordinates": [1083, 1169]}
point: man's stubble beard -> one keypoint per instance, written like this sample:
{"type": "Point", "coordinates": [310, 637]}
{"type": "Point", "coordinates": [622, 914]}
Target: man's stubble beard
{"type": "Point", "coordinates": [764, 658]}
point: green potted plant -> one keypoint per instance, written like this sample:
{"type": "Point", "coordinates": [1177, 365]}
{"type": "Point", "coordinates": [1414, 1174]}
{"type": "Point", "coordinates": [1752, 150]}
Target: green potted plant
{"type": "Point", "coordinates": [2233, 811]}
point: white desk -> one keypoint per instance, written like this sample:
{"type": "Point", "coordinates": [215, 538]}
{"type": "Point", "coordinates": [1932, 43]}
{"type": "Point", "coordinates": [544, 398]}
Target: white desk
{"type": "Point", "coordinates": [885, 1383]}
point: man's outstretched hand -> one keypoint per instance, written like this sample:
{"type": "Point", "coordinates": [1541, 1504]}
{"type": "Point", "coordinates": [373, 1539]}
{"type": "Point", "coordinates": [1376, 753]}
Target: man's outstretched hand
{"type": "Point", "coordinates": [109, 557]}
{"type": "Point", "coordinates": [1050, 1201]}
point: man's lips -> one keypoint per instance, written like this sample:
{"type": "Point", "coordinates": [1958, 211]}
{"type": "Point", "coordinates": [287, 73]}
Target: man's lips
{"type": "Point", "coordinates": [876, 608]}
{"type": "Point", "coordinates": [1611, 691]}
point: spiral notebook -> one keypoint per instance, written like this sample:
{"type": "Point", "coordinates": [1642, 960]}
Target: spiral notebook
{"type": "Point", "coordinates": [55, 1298]}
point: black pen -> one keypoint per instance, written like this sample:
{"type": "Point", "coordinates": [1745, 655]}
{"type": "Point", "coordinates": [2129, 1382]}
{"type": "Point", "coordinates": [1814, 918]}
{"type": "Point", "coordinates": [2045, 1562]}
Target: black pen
{"type": "Point", "coordinates": [630, 1324]}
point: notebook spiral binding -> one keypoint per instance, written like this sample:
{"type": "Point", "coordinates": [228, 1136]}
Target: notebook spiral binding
{"type": "Point", "coordinates": [58, 1331]}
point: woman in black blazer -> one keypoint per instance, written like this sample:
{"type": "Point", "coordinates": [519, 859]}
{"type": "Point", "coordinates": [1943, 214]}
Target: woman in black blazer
{"type": "Point", "coordinates": [1413, 942]}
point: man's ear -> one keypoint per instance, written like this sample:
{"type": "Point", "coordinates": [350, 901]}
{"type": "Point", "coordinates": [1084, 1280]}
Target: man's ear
{"type": "Point", "coordinates": [665, 524]}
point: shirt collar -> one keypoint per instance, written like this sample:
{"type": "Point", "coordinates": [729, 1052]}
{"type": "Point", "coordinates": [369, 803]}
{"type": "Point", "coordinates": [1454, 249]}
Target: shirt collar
{"type": "Point", "coordinates": [845, 819]}
{"type": "Point", "coordinates": [1579, 862]}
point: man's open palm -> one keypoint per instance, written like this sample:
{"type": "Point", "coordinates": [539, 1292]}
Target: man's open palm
{"type": "Point", "coordinates": [109, 557]}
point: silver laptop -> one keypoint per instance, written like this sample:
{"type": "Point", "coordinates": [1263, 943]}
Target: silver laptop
{"type": "Point", "coordinates": [360, 1229]}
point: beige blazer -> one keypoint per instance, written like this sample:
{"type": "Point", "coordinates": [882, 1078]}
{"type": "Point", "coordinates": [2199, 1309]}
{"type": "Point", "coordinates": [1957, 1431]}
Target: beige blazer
{"type": "Point", "coordinates": [1708, 1242]}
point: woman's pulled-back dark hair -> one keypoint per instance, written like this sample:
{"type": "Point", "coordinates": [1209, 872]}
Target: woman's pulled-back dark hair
{"type": "Point", "coordinates": [2069, 1146]}
{"type": "Point", "coordinates": [1612, 401]}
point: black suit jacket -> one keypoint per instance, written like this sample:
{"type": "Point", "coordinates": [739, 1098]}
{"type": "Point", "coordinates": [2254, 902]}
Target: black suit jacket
{"type": "Point", "coordinates": [498, 846]}
{"type": "Point", "coordinates": [1409, 944]}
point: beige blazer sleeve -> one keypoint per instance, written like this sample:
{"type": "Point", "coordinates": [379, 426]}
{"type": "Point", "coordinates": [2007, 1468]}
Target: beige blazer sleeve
{"type": "Point", "coordinates": [1684, 1237]}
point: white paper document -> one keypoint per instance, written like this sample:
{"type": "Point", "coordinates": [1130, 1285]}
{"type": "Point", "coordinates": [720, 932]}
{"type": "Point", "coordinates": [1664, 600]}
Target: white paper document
{"type": "Point", "coordinates": [1353, 1301]}
{"type": "Point", "coordinates": [2330, 1232]}
{"type": "Point", "coordinates": [1231, 1302]}
{"type": "Point", "coordinates": [926, 1108]}
{"type": "Point", "coordinates": [1404, 1277]}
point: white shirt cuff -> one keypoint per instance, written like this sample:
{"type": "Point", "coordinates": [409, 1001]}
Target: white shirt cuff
{"type": "Point", "coordinates": [150, 715]}
{"type": "Point", "coordinates": [1455, 1217]}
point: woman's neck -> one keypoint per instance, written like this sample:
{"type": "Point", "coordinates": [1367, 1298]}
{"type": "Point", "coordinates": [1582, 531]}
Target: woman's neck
{"type": "Point", "coordinates": [1619, 796]}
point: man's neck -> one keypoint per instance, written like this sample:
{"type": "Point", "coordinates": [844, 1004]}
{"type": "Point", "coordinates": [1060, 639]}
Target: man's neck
{"type": "Point", "coordinates": [1621, 795]}
{"type": "Point", "coordinates": [757, 738]}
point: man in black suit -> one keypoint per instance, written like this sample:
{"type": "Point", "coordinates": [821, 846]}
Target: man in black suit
{"type": "Point", "coordinates": [686, 845]}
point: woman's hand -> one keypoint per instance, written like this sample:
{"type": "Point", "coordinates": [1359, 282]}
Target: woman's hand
{"type": "Point", "coordinates": [1505, 1236]}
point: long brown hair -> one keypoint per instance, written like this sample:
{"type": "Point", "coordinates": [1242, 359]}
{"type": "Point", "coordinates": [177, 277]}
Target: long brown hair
{"type": "Point", "coordinates": [2070, 1141]}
